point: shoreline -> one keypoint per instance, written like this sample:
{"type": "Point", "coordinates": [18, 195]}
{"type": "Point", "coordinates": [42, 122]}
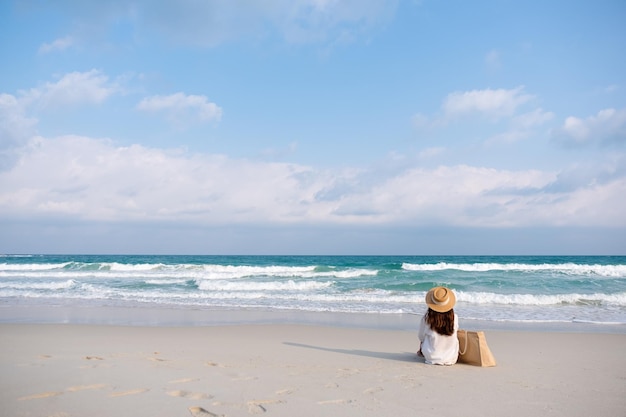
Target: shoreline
{"type": "Point", "coordinates": [174, 316]}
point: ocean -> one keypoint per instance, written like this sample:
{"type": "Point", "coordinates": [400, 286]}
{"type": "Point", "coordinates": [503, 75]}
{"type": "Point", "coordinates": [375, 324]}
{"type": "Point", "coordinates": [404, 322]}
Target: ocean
{"type": "Point", "coordinates": [506, 289]}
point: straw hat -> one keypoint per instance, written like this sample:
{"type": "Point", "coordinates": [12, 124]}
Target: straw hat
{"type": "Point", "coordinates": [440, 299]}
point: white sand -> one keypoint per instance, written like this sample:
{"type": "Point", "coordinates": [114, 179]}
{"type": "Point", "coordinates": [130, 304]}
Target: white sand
{"type": "Point", "coordinates": [299, 370]}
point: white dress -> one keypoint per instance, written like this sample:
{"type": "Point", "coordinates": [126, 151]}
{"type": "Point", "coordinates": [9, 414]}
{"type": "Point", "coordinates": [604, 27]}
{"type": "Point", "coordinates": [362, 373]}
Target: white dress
{"type": "Point", "coordinates": [438, 349]}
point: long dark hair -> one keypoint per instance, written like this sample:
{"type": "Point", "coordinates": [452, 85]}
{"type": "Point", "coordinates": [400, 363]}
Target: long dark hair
{"type": "Point", "coordinates": [442, 323]}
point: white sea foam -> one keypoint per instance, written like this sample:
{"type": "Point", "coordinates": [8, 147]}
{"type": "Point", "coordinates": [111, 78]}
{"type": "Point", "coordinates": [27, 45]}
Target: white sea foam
{"type": "Point", "coordinates": [181, 271]}
{"type": "Point", "coordinates": [352, 273]}
{"type": "Point", "coordinates": [31, 267]}
{"type": "Point", "coordinates": [240, 271]}
{"type": "Point", "coordinates": [486, 291]}
{"type": "Point", "coordinates": [53, 286]}
{"type": "Point", "coordinates": [568, 268]}
{"type": "Point", "coordinates": [115, 266]}
{"type": "Point", "coordinates": [166, 281]}
{"type": "Point", "coordinates": [240, 286]}
{"type": "Point", "coordinates": [303, 290]}
{"type": "Point", "coordinates": [540, 299]}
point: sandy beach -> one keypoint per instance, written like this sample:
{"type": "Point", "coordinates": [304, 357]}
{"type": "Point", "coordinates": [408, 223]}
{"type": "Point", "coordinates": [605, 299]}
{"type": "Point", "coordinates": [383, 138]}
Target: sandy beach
{"type": "Point", "coordinates": [64, 370]}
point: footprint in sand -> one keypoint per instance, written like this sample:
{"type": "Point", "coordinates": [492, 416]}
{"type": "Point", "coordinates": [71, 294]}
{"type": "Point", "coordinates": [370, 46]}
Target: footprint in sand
{"type": "Point", "coordinates": [85, 387]}
{"type": "Point", "coordinates": [182, 380]}
{"type": "Point", "coordinates": [335, 402]}
{"type": "Point", "coordinates": [258, 406]}
{"type": "Point", "coordinates": [373, 390]}
{"type": "Point", "coordinates": [256, 409]}
{"type": "Point", "coordinates": [201, 412]}
{"type": "Point", "coordinates": [347, 372]}
{"type": "Point", "coordinates": [244, 378]}
{"type": "Point", "coordinates": [189, 395]}
{"type": "Point", "coordinates": [285, 391]}
{"type": "Point", "coordinates": [40, 395]}
{"type": "Point", "coordinates": [130, 392]}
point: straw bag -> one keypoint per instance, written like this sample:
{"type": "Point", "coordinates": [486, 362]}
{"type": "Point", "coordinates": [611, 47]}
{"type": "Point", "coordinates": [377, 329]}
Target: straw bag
{"type": "Point", "coordinates": [473, 349]}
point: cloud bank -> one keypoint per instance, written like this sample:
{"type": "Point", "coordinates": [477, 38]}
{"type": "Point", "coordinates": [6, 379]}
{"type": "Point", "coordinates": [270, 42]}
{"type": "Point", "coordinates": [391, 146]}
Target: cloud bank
{"type": "Point", "coordinates": [90, 179]}
{"type": "Point", "coordinates": [74, 179]}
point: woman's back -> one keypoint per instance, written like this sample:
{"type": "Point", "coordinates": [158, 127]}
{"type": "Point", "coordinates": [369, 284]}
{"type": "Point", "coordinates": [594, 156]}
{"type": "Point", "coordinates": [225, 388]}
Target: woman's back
{"type": "Point", "coordinates": [439, 349]}
{"type": "Point", "coordinates": [438, 328]}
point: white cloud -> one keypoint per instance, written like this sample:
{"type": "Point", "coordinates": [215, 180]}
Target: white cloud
{"type": "Point", "coordinates": [18, 123]}
{"type": "Point", "coordinates": [491, 103]}
{"type": "Point", "coordinates": [521, 127]}
{"type": "Point", "coordinates": [499, 107]}
{"type": "Point", "coordinates": [84, 179]}
{"type": "Point", "coordinates": [607, 127]}
{"type": "Point", "coordinates": [59, 44]}
{"type": "Point", "coordinates": [91, 87]}
{"type": "Point", "coordinates": [180, 107]}
{"type": "Point", "coordinates": [532, 119]}
{"type": "Point", "coordinates": [16, 128]}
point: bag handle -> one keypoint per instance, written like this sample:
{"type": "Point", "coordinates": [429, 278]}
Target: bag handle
{"type": "Point", "coordinates": [465, 347]}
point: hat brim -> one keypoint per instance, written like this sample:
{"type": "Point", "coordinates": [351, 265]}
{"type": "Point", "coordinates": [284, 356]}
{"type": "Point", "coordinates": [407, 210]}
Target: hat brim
{"type": "Point", "coordinates": [443, 306]}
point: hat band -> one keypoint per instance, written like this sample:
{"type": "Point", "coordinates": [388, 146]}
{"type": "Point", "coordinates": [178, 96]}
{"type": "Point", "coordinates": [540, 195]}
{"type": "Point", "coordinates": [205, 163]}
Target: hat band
{"type": "Point", "coordinates": [445, 300]}
{"type": "Point", "coordinates": [439, 302]}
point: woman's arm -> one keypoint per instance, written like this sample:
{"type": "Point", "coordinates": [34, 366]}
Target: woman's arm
{"type": "Point", "coordinates": [421, 333]}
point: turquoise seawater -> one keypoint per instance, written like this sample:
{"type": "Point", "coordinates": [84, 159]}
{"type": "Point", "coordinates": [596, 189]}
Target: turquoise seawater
{"type": "Point", "coordinates": [496, 288]}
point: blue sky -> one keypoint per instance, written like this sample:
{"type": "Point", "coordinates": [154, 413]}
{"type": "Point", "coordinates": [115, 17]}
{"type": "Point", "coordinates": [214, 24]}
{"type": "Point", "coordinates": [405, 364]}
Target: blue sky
{"type": "Point", "coordinates": [313, 127]}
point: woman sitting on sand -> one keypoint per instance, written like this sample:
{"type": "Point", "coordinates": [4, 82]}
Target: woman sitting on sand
{"type": "Point", "coordinates": [437, 332]}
